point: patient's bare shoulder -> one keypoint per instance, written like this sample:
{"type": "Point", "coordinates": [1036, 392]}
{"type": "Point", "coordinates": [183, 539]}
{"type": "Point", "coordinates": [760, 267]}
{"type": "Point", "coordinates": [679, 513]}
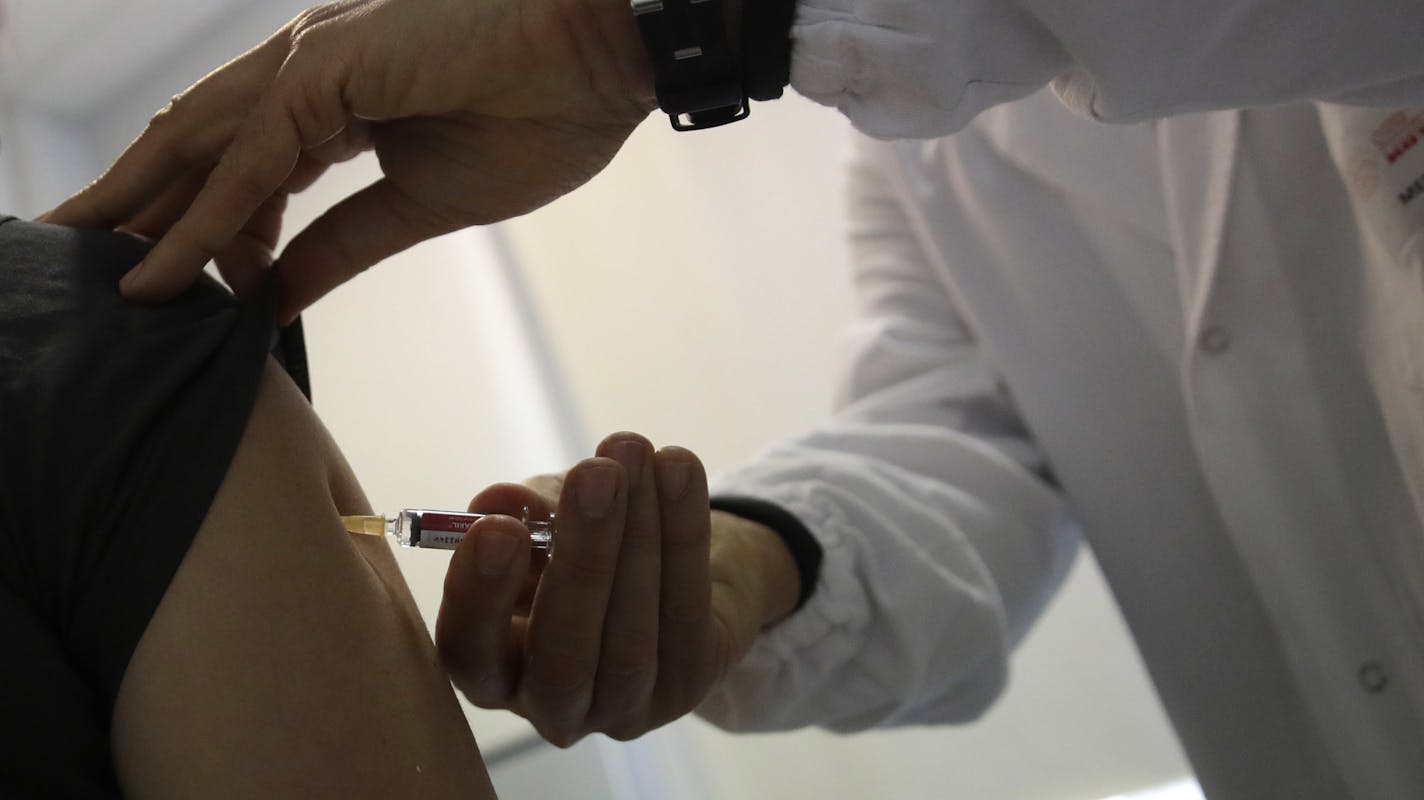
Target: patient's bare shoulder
{"type": "Point", "coordinates": [287, 657]}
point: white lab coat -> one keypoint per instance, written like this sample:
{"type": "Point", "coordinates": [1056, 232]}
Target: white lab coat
{"type": "Point", "coordinates": [1190, 327]}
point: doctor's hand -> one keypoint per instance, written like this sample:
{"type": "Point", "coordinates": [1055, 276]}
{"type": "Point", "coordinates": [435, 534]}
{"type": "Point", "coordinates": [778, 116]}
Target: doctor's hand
{"type": "Point", "coordinates": [648, 599]}
{"type": "Point", "coordinates": [478, 110]}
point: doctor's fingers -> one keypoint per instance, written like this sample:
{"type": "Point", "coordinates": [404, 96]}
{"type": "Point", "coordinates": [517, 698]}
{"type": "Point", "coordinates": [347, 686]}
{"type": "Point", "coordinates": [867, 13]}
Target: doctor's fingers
{"type": "Point", "coordinates": [251, 122]}
{"type": "Point", "coordinates": [511, 499]}
{"type": "Point", "coordinates": [628, 659]}
{"type": "Point", "coordinates": [657, 658]}
{"type": "Point", "coordinates": [186, 136]}
{"type": "Point", "coordinates": [245, 260]}
{"type": "Point", "coordinates": [686, 642]}
{"type": "Point", "coordinates": [477, 633]}
{"type": "Point", "coordinates": [658, 664]}
{"type": "Point", "coordinates": [522, 503]}
{"type": "Point", "coordinates": [290, 116]}
{"type": "Point", "coordinates": [658, 654]}
{"type": "Point", "coordinates": [563, 644]}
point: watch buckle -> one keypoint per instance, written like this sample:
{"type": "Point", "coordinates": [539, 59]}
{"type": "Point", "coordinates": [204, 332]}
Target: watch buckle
{"type": "Point", "coordinates": [711, 117]}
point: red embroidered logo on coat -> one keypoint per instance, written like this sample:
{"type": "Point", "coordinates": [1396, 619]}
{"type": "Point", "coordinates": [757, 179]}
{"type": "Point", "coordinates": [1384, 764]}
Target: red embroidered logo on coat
{"type": "Point", "coordinates": [1398, 134]}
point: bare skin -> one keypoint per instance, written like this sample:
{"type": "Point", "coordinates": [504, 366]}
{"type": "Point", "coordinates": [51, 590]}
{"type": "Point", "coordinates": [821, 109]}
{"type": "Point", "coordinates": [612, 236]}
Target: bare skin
{"type": "Point", "coordinates": [287, 658]}
{"type": "Point", "coordinates": [478, 110]}
{"type": "Point", "coordinates": [647, 602]}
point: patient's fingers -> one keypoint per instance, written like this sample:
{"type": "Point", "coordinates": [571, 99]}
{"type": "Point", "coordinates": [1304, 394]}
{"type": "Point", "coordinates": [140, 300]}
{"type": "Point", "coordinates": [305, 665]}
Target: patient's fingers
{"type": "Point", "coordinates": [628, 660]}
{"type": "Point", "coordinates": [566, 624]}
{"type": "Point", "coordinates": [473, 632]}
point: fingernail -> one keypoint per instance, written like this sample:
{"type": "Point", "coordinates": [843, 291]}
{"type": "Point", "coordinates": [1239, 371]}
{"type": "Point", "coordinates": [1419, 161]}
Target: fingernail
{"type": "Point", "coordinates": [130, 279]}
{"type": "Point", "coordinates": [630, 454]}
{"type": "Point", "coordinates": [672, 477]}
{"type": "Point", "coordinates": [493, 551]}
{"type": "Point", "coordinates": [595, 490]}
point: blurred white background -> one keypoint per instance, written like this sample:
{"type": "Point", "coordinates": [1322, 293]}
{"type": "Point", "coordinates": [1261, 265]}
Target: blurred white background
{"type": "Point", "coordinates": [693, 292]}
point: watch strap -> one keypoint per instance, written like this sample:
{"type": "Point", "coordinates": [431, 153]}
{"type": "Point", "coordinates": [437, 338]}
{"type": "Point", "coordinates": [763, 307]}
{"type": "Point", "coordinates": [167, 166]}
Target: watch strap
{"type": "Point", "coordinates": [698, 79]}
{"type": "Point", "coordinates": [766, 47]}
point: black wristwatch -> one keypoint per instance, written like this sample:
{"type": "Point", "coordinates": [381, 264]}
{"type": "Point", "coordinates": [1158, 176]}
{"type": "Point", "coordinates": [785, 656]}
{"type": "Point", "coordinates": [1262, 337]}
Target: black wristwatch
{"type": "Point", "coordinates": [698, 81]}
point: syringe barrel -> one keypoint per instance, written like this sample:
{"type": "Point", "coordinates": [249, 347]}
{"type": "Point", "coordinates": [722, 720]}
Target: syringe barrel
{"type": "Point", "coordinates": [444, 530]}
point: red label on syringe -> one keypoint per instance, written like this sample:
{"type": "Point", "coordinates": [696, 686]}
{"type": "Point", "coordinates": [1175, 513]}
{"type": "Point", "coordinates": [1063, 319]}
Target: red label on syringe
{"type": "Point", "coordinates": [440, 529]}
{"type": "Point", "coordinates": [433, 522]}
{"type": "Point", "coordinates": [446, 529]}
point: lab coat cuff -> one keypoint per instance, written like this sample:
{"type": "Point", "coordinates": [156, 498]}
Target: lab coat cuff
{"type": "Point", "coordinates": [918, 69]}
{"type": "Point", "coordinates": [828, 623]}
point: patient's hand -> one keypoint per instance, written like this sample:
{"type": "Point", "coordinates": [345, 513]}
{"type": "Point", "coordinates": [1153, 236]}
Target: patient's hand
{"type": "Point", "coordinates": [647, 601]}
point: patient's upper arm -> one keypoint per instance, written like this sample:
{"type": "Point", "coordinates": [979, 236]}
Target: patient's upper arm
{"type": "Point", "coordinates": [287, 658]}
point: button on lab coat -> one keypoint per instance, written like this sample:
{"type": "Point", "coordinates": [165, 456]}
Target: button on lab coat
{"type": "Point", "coordinates": [1181, 338]}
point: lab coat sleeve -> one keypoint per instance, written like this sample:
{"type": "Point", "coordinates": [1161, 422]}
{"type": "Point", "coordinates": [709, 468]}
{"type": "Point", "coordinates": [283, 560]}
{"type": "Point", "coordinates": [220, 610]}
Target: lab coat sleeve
{"type": "Point", "coordinates": [943, 536]}
{"type": "Point", "coordinates": [924, 68]}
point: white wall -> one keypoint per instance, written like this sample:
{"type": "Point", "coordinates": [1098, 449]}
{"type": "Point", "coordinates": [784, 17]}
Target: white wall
{"type": "Point", "coordinates": [693, 292]}
{"type": "Point", "coordinates": [10, 180]}
{"type": "Point", "coordinates": [44, 156]}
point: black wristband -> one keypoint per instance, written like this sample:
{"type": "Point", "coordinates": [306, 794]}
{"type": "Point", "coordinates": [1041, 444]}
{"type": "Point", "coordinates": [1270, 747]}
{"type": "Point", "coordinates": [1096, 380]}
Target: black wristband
{"type": "Point", "coordinates": [696, 76]}
{"type": "Point", "coordinates": [766, 47]}
{"type": "Point", "coordinates": [805, 551]}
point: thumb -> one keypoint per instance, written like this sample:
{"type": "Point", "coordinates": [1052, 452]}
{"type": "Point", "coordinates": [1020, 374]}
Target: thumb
{"type": "Point", "coordinates": [548, 486]}
{"type": "Point", "coordinates": [370, 225]}
{"type": "Point", "coordinates": [511, 499]}
{"type": "Point", "coordinates": [473, 631]}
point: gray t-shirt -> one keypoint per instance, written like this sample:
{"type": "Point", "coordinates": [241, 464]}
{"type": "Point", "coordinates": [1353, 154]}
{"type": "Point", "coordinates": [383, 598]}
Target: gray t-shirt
{"type": "Point", "coordinates": [117, 425]}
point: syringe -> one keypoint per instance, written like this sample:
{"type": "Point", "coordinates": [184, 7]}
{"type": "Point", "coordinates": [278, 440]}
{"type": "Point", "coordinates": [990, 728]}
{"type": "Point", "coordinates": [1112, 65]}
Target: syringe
{"type": "Point", "coordinates": [420, 527]}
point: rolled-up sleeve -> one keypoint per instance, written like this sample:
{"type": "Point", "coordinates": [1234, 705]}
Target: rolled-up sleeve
{"type": "Point", "coordinates": [925, 68]}
{"type": "Point", "coordinates": [942, 533]}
